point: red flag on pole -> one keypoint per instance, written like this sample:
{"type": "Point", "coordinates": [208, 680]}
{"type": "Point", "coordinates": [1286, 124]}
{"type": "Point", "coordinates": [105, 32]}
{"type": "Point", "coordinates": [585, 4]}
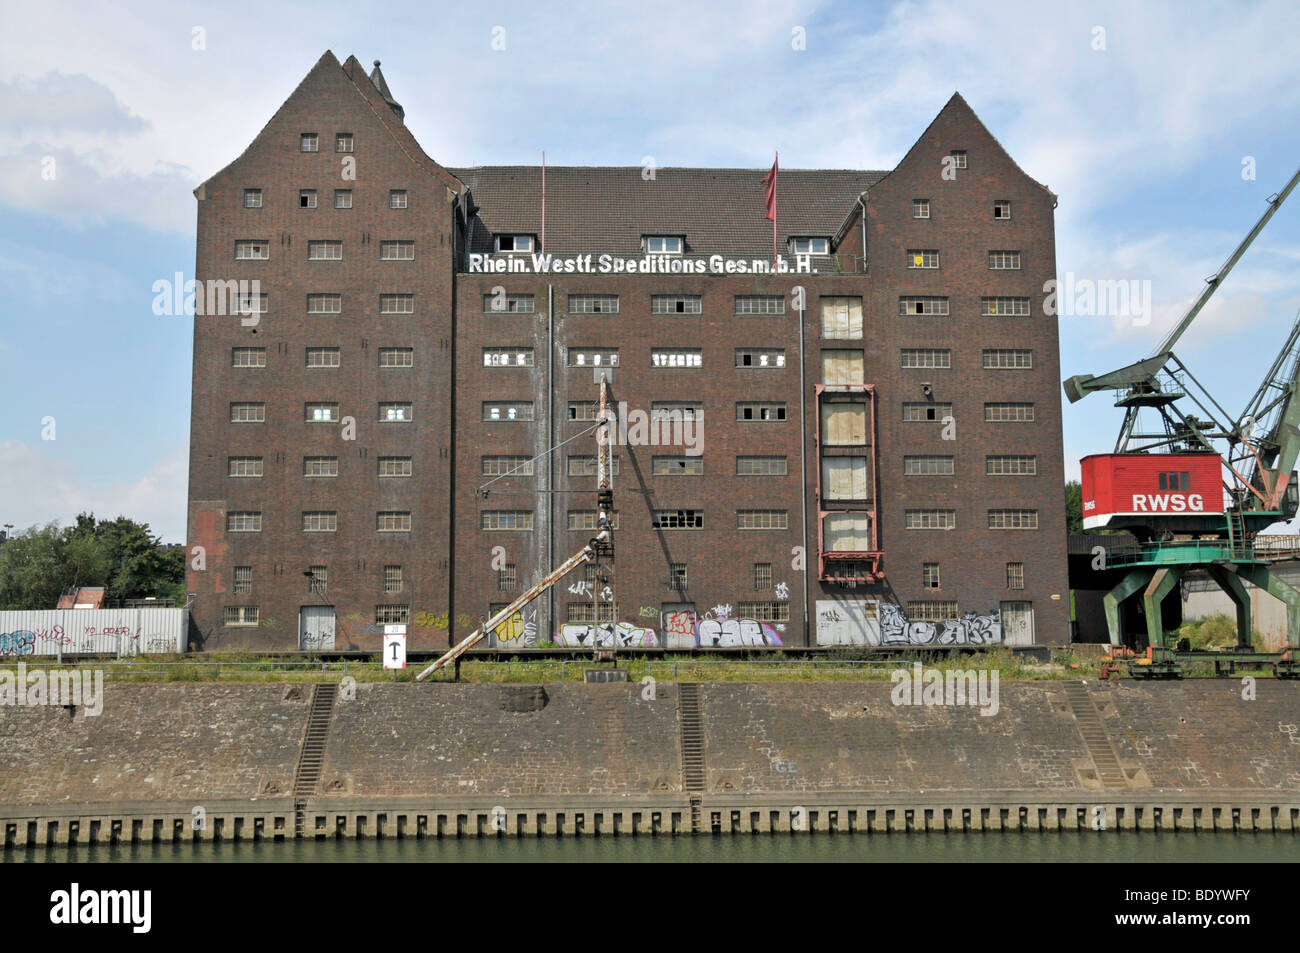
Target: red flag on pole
{"type": "Point", "coordinates": [769, 181]}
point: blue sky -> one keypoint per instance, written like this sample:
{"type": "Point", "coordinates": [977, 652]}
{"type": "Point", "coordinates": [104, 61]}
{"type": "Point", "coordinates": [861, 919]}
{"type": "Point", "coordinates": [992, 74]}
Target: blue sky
{"type": "Point", "coordinates": [1143, 140]}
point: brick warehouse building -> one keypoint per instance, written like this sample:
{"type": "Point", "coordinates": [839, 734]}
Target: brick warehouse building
{"type": "Point", "coordinates": [401, 429]}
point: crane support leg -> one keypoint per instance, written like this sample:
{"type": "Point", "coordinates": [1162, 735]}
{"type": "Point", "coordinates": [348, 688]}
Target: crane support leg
{"type": "Point", "coordinates": [1264, 579]}
{"type": "Point", "coordinates": [1231, 584]}
{"type": "Point", "coordinates": [1162, 582]}
{"type": "Point", "coordinates": [1133, 582]}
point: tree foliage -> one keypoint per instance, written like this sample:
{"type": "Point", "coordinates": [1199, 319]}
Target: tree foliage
{"type": "Point", "coordinates": [1074, 507]}
{"type": "Point", "coordinates": [123, 556]}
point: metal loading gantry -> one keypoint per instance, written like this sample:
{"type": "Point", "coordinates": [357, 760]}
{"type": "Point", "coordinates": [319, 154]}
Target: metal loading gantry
{"type": "Point", "coordinates": [1155, 483]}
{"type": "Point", "coordinates": [598, 548]}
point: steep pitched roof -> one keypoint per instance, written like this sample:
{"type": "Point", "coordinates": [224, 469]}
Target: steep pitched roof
{"type": "Point", "coordinates": [608, 209]}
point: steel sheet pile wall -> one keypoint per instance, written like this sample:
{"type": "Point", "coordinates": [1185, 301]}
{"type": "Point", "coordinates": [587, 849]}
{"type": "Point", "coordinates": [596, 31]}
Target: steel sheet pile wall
{"type": "Point", "coordinates": [49, 632]}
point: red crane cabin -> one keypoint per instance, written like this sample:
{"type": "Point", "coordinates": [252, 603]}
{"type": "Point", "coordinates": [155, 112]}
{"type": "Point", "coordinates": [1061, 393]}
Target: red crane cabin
{"type": "Point", "coordinates": [1149, 484]}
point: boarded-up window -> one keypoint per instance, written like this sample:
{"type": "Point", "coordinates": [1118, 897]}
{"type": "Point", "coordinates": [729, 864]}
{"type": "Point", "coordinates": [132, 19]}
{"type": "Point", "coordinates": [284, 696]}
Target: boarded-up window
{"type": "Point", "coordinates": [842, 367]}
{"type": "Point", "coordinates": [841, 317]}
{"type": "Point", "coordinates": [847, 533]}
{"type": "Point", "coordinates": [845, 478]}
{"type": "Point", "coordinates": [844, 423]}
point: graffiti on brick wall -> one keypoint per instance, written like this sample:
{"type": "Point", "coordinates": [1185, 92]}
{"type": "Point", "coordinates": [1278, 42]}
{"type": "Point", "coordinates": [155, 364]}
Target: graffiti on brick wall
{"type": "Point", "coordinates": [17, 643]}
{"type": "Point", "coordinates": [609, 634]}
{"type": "Point", "coordinates": [519, 629]}
{"type": "Point", "coordinates": [684, 630]}
{"type": "Point", "coordinates": [970, 629]}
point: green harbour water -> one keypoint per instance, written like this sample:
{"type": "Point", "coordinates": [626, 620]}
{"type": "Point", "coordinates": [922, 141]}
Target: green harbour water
{"type": "Point", "coordinates": [992, 847]}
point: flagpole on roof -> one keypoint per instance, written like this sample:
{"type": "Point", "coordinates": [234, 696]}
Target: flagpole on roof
{"type": "Point", "coordinates": [542, 250]}
{"type": "Point", "coordinates": [769, 181]}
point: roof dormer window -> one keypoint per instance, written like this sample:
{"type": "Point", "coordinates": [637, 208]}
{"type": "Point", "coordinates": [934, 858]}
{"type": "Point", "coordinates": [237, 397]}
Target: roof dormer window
{"type": "Point", "coordinates": [663, 244]}
{"type": "Point", "coordinates": [514, 243]}
{"type": "Point", "coordinates": [810, 246]}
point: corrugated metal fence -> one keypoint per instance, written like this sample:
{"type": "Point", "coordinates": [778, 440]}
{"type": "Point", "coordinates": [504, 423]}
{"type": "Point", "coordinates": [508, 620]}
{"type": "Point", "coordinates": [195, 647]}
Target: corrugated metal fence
{"type": "Point", "coordinates": [121, 632]}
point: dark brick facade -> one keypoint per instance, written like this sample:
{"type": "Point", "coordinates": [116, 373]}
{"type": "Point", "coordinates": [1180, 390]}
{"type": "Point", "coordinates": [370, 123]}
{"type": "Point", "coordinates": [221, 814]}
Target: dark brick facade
{"type": "Point", "coordinates": [449, 560]}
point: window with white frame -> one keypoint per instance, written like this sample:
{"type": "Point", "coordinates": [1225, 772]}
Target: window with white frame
{"type": "Point", "coordinates": [922, 304]}
{"type": "Point", "coordinates": [1008, 358]}
{"type": "Point", "coordinates": [593, 304]}
{"type": "Point", "coordinates": [922, 258]}
{"type": "Point", "coordinates": [309, 142]}
{"type": "Point", "coordinates": [243, 580]}
{"type": "Point", "coordinates": [320, 521]}
{"type": "Point", "coordinates": [252, 250]}
{"type": "Point", "coordinates": [920, 208]}
{"type": "Point", "coordinates": [663, 244]}
{"type": "Point", "coordinates": [1004, 306]}
{"type": "Point", "coordinates": [810, 246]}
{"type": "Point", "coordinates": [507, 304]}
{"type": "Point", "coordinates": [1009, 412]}
{"type": "Point", "coordinates": [397, 357]}
{"type": "Point", "coordinates": [325, 251]}
{"type": "Point", "coordinates": [675, 304]}
{"type": "Point", "coordinates": [926, 357]}
{"type": "Point", "coordinates": [397, 198]}
{"type": "Point", "coordinates": [761, 466]}
{"type": "Point", "coordinates": [506, 520]}
{"type": "Point", "coordinates": [241, 616]}
{"type": "Point", "coordinates": [397, 304]}
{"type": "Point", "coordinates": [508, 411]}
{"type": "Point", "coordinates": [247, 412]}
{"type": "Point", "coordinates": [1011, 465]}
{"type": "Point", "coordinates": [676, 357]}
{"type": "Point", "coordinates": [244, 521]}
{"type": "Point", "coordinates": [393, 521]}
{"type": "Point", "coordinates": [508, 356]}
{"type": "Point", "coordinates": [760, 304]}
{"type": "Point", "coordinates": [760, 357]}
{"type": "Point", "coordinates": [342, 198]}
{"type": "Point", "coordinates": [324, 357]}
{"type": "Point", "coordinates": [321, 413]}
{"type": "Point", "coordinates": [1004, 260]}
{"type": "Point", "coordinates": [1013, 519]}
{"type": "Point", "coordinates": [394, 467]}
{"type": "Point", "coordinates": [762, 519]}
{"type": "Point", "coordinates": [397, 251]}
{"type": "Point", "coordinates": [1002, 210]}
{"type": "Point", "coordinates": [396, 411]}
{"type": "Point", "coordinates": [593, 357]}
{"type": "Point", "coordinates": [929, 519]}
{"type": "Point", "coordinates": [343, 142]}
{"type": "Point", "coordinates": [245, 466]}
{"type": "Point", "coordinates": [927, 465]}
{"type": "Point", "coordinates": [306, 198]}
{"type": "Point", "coordinates": [320, 467]}
{"type": "Point", "coordinates": [765, 411]}
{"type": "Point", "coordinates": [514, 243]}
{"type": "Point", "coordinates": [248, 357]}
{"type": "Point", "coordinates": [324, 304]}
{"type": "Point", "coordinates": [252, 198]}
{"type": "Point", "coordinates": [508, 465]}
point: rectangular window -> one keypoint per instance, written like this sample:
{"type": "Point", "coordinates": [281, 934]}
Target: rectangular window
{"type": "Point", "coordinates": [1002, 209]}
{"type": "Point", "coordinates": [249, 303]}
{"type": "Point", "coordinates": [252, 198]}
{"type": "Point", "coordinates": [847, 532]}
{"type": "Point", "coordinates": [507, 520]}
{"type": "Point", "coordinates": [244, 521]}
{"type": "Point", "coordinates": [843, 367]}
{"type": "Point", "coordinates": [397, 198]}
{"type": "Point", "coordinates": [343, 142]}
{"type": "Point", "coordinates": [1013, 519]}
{"type": "Point", "coordinates": [676, 357]}
{"type": "Point", "coordinates": [323, 357]}
{"type": "Point", "coordinates": [325, 251]}
{"type": "Point", "coordinates": [678, 466]}
{"type": "Point", "coordinates": [762, 519]}
{"type": "Point", "coordinates": [760, 304]}
{"type": "Point", "coordinates": [922, 304]}
{"type": "Point", "coordinates": [1004, 307]}
{"type": "Point", "coordinates": [591, 612]}
{"type": "Point", "coordinates": [592, 357]}
{"type": "Point", "coordinates": [306, 198]}
{"type": "Point", "coordinates": [762, 576]}
{"type": "Point", "coordinates": [394, 467]}
{"type": "Point", "coordinates": [1007, 358]}
{"type": "Point", "coordinates": [586, 520]}
{"type": "Point", "coordinates": [958, 158]}
{"type": "Point", "coordinates": [593, 304]}
{"type": "Point", "coordinates": [243, 580]}
{"type": "Point", "coordinates": [927, 466]}
{"type": "Point", "coordinates": [920, 208]}
{"type": "Point", "coordinates": [578, 410]}
{"type": "Point", "coordinates": [914, 412]}
{"type": "Point", "coordinates": [760, 357]}
{"type": "Point", "coordinates": [931, 611]}
{"type": "Point", "coordinates": [760, 410]}
{"type": "Point", "coordinates": [841, 318]}
{"type": "Point", "coordinates": [397, 304]}
{"type": "Point", "coordinates": [926, 357]}
{"type": "Point", "coordinates": [392, 579]}
{"type": "Point", "coordinates": [929, 519]}
{"type": "Point", "coordinates": [1009, 412]}
{"type": "Point", "coordinates": [318, 578]}
{"type": "Point", "coordinates": [508, 577]}
{"type": "Point", "coordinates": [676, 411]}
{"type": "Point", "coordinates": [1004, 260]}
{"type": "Point", "coordinates": [675, 304]}
{"type": "Point", "coordinates": [922, 258]}
{"type": "Point", "coordinates": [663, 244]}
{"type": "Point", "coordinates": [342, 198]}
{"type": "Point", "coordinates": [678, 577]}
{"type": "Point", "coordinates": [843, 423]}
{"type": "Point", "coordinates": [321, 413]}
{"type": "Point", "coordinates": [507, 304]}
{"type": "Point", "coordinates": [585, 466]}
{"type": "Point", "coordinates": [250, 250]}
{"type": "Point", "coordinates": [324, 304]}
{"type": "Point", "coordinates": [764, 611]}
{"type": "Point", "coordinates": [248, 357]}
{"type": "Point", "coordinates": [761, 466]}
{"type": "Point", "coordinates": [393, 521]}
{"type": "Point", "coordinates": [810, 246]}
{"type": "Point", "coordinates": [309, 142]}
{"type": "Point", "coordinates": [397, 251]}
{"type": "Point", "coordinates": [320, 467]}
{"type": "Point", "coordinates": [396, 412]}
{"type": "Point", "coordinates": [677, 519]}
{"type": "Point", "coordinates": [245, 466]}
{"type": "Point", "coordinates": [1015, 575]}
{"type": "Point", "coordinates": [1176, 481]}
{"type": "Point", "coordinates": [397, 357]}
{"type": "Point", "coordinates": [514, 243]}
{"type": "Point", "coordinates": [508, 411]}
{"type": "Point", "coordinates": [241, 615]}
{"type": "Point", "coordinates": [845, 478]}
{"type": "Point", "coordinates": [248, 413]}
{"type": "Point", "coordinates": [1011, 465]}
{"type": "Point", "coordinates": [508, 465]}
{"type": "Point", "coordinates": [392, 615]}
{"type": "Point", "coordinates": [930, 576]}
{"type": "Point", "coordinates": [320, 521]}
{"type": "Point", "coordinates": [509, 356]}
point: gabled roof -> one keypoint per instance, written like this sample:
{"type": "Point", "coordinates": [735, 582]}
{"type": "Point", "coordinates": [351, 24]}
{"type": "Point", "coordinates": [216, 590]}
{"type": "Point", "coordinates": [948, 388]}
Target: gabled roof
{"type": "Point", "coordinates": [609, 208]}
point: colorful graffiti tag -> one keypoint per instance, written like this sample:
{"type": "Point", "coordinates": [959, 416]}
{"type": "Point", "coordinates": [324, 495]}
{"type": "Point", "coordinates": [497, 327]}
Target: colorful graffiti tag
{"type": "Point", "coordinates": [17, 643]}
{"type": "Point", "coordinates": [970, 629]}
{"type": "Point", "coordinates": [608, 634]}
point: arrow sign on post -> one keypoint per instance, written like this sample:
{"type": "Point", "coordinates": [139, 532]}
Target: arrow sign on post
{"type": "Point", "coordinates": [394, 646]}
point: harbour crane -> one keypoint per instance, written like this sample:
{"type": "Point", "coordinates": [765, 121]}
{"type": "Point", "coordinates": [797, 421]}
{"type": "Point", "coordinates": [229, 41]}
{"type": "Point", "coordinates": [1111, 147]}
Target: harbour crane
{"type": "Point", "coordinates": [1196, 488]}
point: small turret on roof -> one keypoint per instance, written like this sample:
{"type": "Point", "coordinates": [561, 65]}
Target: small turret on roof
{"type": "Point", "coordinates": [377, 78]}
